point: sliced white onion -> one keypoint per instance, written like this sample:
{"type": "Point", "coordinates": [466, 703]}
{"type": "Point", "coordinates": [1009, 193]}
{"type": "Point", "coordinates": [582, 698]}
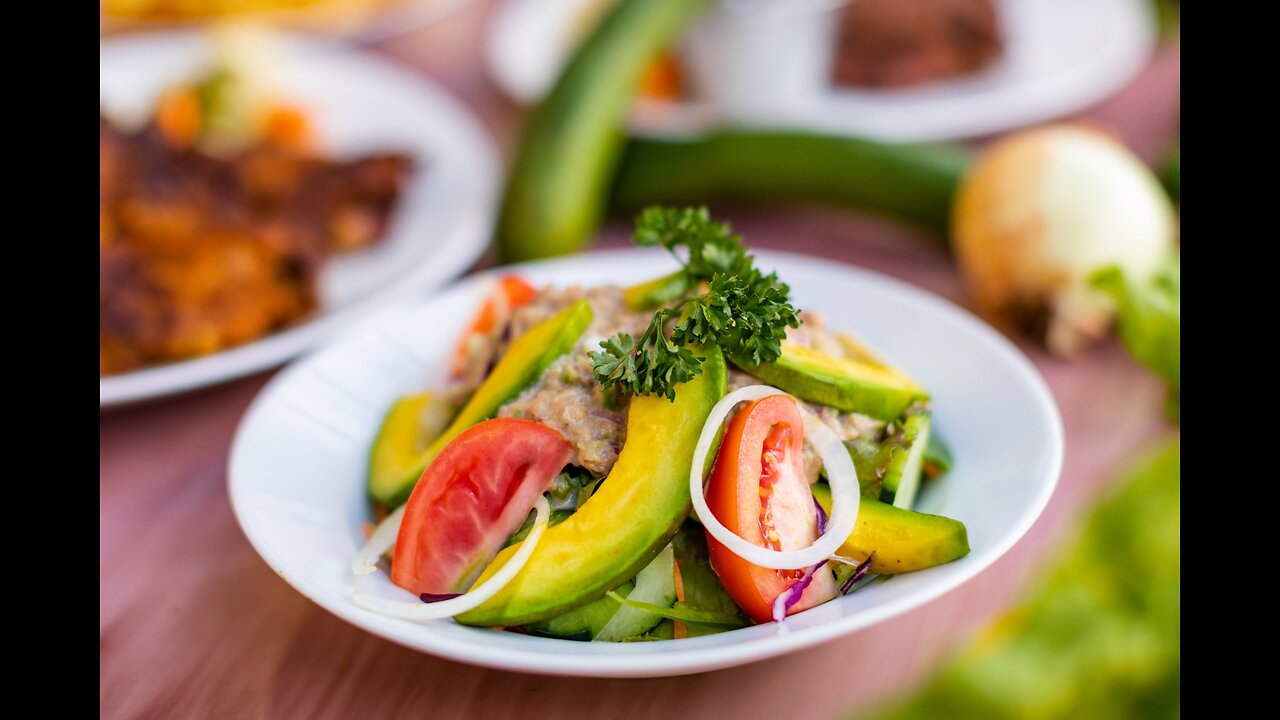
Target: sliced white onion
{"type": "Point", "coordinates": [366, 561]}
{"type": "Point", "coordinates": [469, 600]}
{"type": "Point", "coordinates": [840, 474]}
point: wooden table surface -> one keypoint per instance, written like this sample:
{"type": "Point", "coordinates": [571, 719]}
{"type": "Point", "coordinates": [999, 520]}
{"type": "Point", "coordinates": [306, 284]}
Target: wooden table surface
{"type": "Point", "coordinates": [194, 624]}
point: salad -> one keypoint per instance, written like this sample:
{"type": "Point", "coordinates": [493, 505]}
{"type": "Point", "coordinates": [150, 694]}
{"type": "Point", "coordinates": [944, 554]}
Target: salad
{"type": "Point", "coordinates": [682, 457]}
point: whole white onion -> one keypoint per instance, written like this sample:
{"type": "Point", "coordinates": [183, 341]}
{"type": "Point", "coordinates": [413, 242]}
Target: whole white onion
{"type": "Point", "coordinates": [1042, 210]}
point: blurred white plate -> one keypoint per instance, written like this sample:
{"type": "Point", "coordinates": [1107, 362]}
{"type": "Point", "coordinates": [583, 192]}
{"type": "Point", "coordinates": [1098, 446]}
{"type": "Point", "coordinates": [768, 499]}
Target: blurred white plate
{"type": "Point", "coordinates": [360, 104]}
{"type": "Point", "coordinates": [353, 21]}
{"type": "Point", "coordinates": [1060, 57]}
{"type": "Point", "coordinates": [297, 467]}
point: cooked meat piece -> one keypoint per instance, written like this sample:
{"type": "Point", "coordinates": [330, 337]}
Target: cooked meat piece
{"type": "Point", "coordinates": [846, 426]}
{"type": "Point", "coordinates": [567, 397]}
{"type": "Point", "coordinates": [201, 252]}
{"type": "Point", "coordinates": [894, 43]}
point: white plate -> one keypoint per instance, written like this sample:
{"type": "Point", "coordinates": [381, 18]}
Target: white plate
{"type": "Point", "coordinates": [340, 19]}
{"type": "Point", "coordinates": [1059, 57]}
{"type": "Point", "coordinates": [297, 466]}
{"type": "Point", "coordinates": [360, 104]}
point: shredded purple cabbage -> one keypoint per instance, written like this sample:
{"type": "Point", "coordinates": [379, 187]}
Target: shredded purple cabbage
{"type": "Point", "coordinates": [858, 573]}
{"type": "Point", "coordinates": [822, 518]}
{"type": "Point", "coordinates": [791, 595]}
{"type": "Point", "coordinates": [438, 597]}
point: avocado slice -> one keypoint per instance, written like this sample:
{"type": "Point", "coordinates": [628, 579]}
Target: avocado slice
{"type": "Point", "coordinates": [394, 467]}
{"type": "Point", "coordinates": [657, 292]}
{"type": "Point", "coordinates": [903, 540]}
{"type": "Point", "coordinates": [848, 385]}
{"type": "Point", "coordinates": [406, 431]}
{"type": "Point", "coordinates": [627, 521]}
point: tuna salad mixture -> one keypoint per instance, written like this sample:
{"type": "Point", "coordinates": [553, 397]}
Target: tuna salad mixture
{"type": "Point", "coordinates": [569, 400]}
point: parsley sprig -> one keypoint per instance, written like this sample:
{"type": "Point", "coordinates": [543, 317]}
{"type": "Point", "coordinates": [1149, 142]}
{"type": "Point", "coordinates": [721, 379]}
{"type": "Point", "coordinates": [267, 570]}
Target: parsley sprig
{"type": "Point", "coordinates": [743, 310]}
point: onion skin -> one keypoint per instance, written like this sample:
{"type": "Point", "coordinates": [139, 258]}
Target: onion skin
{"type": "Point", "coordinates": [1039, 212]}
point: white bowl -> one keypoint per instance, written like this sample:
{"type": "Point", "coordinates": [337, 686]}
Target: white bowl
{"type": "Point", "coordinates": [297, 468]}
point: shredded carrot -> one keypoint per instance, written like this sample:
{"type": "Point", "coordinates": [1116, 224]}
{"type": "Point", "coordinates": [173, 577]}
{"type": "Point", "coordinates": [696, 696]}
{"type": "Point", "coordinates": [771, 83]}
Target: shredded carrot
{"type": "Point", "coordinates": [288, 127]}
{"type": "Point", "coordinates": [513, 291]}
{"type": "Point", "coordinates": [662, 79]}
{"type": "Point", "coordinates": [178, 116]}
{"type": "Point", "coordinates": [679, 627]}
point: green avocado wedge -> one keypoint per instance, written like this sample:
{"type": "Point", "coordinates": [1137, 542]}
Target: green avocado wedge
{"type": "Point", "coordinates": [847, 385]}
{"type": "Point", "coordinates": [903, 540]}
{"type": "Point", "coordinates": [402, 437]}
{"type": "Point", "coordinates": [394, 467]}
{"type": "Point", "coordinates": [627, 521]}
{"type": "Point", "coordinates": [657, 292]}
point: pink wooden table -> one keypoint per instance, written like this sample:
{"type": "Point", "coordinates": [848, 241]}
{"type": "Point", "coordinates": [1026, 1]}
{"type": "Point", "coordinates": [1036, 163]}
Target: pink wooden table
{"type": "Point", "coordinates": [194, 624]}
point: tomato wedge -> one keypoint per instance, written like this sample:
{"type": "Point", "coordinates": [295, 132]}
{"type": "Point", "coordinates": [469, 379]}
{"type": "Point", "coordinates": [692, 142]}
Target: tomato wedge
{"type": "Point", "coordinates": [512, 292]}
{"type": "Point", "coordinates": [470, 499]}
{"type": "Point", "coordinates": [758, 489]}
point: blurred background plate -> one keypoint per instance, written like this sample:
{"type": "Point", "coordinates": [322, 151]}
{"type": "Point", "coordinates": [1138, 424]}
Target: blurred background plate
{"type": "Point", "coordinates": [363, 21]}
{"type": "Point", "coordinates": [1058, 58]}
{"type": "Point", "coordinates": [360, 104]}
{"type": "Point", "coordinates": [297, 467]}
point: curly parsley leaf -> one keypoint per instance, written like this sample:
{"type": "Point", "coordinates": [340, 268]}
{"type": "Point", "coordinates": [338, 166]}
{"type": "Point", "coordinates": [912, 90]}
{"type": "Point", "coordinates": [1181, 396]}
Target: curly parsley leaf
{"type": "Point", "coordinates": [743, 310]}
{"type": "Point", "coordinates": [711, 246]}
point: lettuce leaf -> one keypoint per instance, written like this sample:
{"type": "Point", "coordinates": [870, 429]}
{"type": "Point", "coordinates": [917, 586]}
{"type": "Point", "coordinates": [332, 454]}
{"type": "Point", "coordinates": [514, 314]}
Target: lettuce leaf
{"type": "Point", "coordinates": [1149, 321]}
{"type": "Point", "coordinates": [1098, 636]}
{"type": "Point", "coordinates": [702, 588]}
{"type": "Point", "coordinates": [685, 613]}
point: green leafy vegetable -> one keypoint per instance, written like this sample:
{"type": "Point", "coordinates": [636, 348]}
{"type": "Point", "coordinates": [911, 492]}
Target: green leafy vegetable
{"type": "Point", "coordinates": [569, 491]}
{"type": "Point", "coordinates": [665, 630]}
{"type": "Point", "coordinates": [1099, 636]}
{"type": "Point", "coordinates": [684, 613]}
{"type": "Point", "coordinates": [712, 247]}
{"type": "Point", "coordinates": [1149, 321]}
{"type": "Point", "coordinates": [743, 310]}
{"type": "Point", "coordinates": [702, 588]}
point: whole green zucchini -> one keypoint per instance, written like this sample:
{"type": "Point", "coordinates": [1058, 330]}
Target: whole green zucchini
{"type": "Point", "coordinates": [558, 188]}
{"type": "Point", "coordinates": [914, 183]}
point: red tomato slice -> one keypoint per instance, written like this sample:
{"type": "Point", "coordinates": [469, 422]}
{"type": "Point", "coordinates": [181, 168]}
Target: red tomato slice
{"type": "Point", "coordinates": [512, 292]}
{"type": "Point", "coordinates": [758, 489]}
{"type": "Point", "coordinates": [470, 499]}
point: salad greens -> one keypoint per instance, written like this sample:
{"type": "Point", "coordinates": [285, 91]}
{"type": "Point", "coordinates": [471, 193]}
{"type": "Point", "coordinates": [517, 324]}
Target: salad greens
{"type": "Point", "coordinates": [569, 491]}
{"type": "Point", "coordinates": [702, 589]}
{"type": "Point", "coordinates": [685, 613]}
{"type": "Point", "coordinates": [1099, 636]}
{"type": "Point", "coordinates": [1149, 321]}
{"type": "Point", "coordinates": [743, 310]}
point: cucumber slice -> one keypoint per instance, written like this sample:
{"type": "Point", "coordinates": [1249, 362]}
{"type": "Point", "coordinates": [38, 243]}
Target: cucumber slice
{"type": "Point", "coordinates": [906, 465]}
{"type": "Point", "coordinates": [582, 623]}
{"type": "Point", "coordinates": [656, 585]}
